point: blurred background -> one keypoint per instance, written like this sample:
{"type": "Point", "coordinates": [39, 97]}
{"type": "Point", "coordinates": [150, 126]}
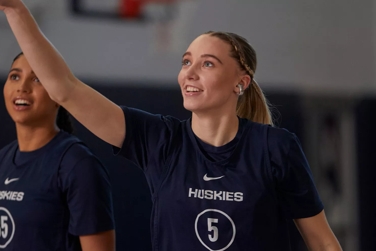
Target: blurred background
{"type": "Point", "coordinates": [316, 64]}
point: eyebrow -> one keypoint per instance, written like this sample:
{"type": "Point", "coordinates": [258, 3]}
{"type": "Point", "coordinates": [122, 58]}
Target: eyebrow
{"type": "Point", "coordinates": [15, 69]}
{"type": "Point", "coordinates": [204, 56]}
{"type": "Point", "coordinates": [19, 70]}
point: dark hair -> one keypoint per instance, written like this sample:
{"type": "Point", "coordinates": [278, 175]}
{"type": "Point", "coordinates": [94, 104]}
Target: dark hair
{"type": "Point", "coordinates": [63, 120]}
{"type": "Point", "coordinates": [252, 104]}
{"type": "Point", "coordinates": [17, 57]}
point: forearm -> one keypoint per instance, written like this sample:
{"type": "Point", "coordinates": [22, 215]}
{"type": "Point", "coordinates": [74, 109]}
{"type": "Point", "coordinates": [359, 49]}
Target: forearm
{"type": "Point", "coordinates": [328, 247]}
{"type": "Point", "coordinates": [325, 242]}
{"type": "Point", "coordinates": [44, 59]}
{"type": "Point", "coordinates": [104, 241]}
{"type": "Point", "coordinates": [317, 233]}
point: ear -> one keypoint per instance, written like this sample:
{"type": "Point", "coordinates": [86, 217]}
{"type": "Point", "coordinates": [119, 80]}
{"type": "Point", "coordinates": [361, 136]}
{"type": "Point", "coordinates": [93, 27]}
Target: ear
{"type": "Point", "coordinates": [245, 81]}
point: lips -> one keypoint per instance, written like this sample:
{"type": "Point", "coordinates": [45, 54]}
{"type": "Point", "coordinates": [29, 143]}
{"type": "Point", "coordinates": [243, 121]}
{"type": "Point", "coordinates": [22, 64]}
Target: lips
{"type": "Point", "coordinates": [21, 103]}
{"type": "Point", "coordinates": [192, 90]}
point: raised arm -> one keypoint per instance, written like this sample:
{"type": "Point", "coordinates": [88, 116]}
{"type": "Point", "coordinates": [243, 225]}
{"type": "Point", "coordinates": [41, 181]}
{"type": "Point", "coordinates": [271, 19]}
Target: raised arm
{"type": "Point", "coordinates": [97, 113]}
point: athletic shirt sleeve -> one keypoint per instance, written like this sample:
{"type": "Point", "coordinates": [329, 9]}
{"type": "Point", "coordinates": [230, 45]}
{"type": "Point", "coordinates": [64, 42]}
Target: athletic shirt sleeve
{"type": "Point", "coordinates": [147, 139]}
{"type": "Point", "coordinates": [296, 191]}
{"type": "Point", "coordinates": [85, 184]}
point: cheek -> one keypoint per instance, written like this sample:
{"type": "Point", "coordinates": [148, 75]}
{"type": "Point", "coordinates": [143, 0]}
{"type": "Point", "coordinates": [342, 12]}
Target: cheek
{"type": "Point", "coordinates": [217, 80]}
{"type": "Point", "coordinates": [228, 81]}
{"type": "Point", "coordinates": [180, 78]}
{"type": "Point", "coordinates": [220, 86]}
{"type": "Point", "coordinates": [7, 94]}
{"type": "Point", "coordinates": [5, 90]}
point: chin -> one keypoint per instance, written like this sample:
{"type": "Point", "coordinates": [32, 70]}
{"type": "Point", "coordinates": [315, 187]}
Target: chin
{"type": "Point", "coordinates": [22, 121]}
{"type": "Point", "coordinates": [195, 109]}
{"type": "Point", "coordinates": [190, 107]}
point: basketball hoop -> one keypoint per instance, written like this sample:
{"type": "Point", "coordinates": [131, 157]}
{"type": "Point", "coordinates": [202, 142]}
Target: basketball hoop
{"type": "Point", "coordinates": [141, 8]}
{"type": "Point", "coordinates": [161, 16]}
{"type": "Point", "coordinates": [130, 8]}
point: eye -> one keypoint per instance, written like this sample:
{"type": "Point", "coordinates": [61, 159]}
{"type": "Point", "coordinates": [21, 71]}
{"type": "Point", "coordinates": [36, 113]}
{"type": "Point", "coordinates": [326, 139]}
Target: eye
{"type": "Point", "coordinates": [36, 80]}
{"type": "Point", "coordinates": [185, 62]}
{"type": "Point", "coordinates": [14, 77]}
{"type": "Point", "coordinates": [208, 64]}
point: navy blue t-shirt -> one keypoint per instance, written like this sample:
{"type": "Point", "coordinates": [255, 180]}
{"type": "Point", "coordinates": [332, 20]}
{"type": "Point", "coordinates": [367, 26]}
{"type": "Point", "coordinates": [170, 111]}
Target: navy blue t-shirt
{"type": "Point", "coordinates": [235, 197]}
{"type": "Point", "coordinates": [51, 196]}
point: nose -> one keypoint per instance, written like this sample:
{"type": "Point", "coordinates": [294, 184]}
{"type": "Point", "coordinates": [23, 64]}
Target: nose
{"type": "Point", "coordinates": [24, 86]}
{"type": "Point", "coordinates": [192, 73]}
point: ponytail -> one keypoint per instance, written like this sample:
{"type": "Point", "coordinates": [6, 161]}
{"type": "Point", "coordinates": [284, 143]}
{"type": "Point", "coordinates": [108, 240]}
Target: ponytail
{"type": "Point", "coordinates": [254, 106]}
{"type": "Point", "coordinates": [63, 120]}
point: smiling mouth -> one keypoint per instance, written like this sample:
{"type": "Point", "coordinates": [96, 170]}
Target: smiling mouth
{"type": "Point", "coordinates": [192, 89]}
{"type": "Point", "coordinates": [21, 102]}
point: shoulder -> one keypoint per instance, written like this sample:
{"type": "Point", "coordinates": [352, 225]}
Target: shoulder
{"type": "Point", "coordinates": [78, 161]}
{"type": "Point", "coordinates": [278, 141]}
{"type": "Point", "coordinates": [63, 141]}
{"type": "Point", "coordinates": [275, 135]}
{"type": "Point", "coordinates": [134, 112]}
{"type": "Point", "coordinates": [74, 151]}
{"type": "Point", "coordinates": [137, 119]}
{"type": "Point", "coordinates": [7, 148]}
{"type": "Point", "coordinates": [280, 138]}
{"type": "Point", "coordinates": [77, 152]}
{"type": "Point", "coordinates": [284, 147]}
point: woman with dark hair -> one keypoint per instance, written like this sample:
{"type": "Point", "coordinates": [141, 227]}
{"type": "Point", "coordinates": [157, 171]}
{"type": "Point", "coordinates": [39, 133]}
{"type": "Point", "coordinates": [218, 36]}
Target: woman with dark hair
{"type": "Point", "coordinates": [54, 193]}
{"type": "Point", "coordinates": [225, 179]}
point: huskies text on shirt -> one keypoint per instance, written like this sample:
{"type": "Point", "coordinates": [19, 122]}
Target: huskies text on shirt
{"type": "Point", "coordinates": [235, 197]}
{"type": "Point", "coordinates": [51, 196]}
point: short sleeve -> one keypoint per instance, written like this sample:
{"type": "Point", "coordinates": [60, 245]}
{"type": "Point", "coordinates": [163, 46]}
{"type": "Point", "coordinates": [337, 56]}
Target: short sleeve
{"type": "Point", "coordinates": [147, 138]}
{"type": "Point", "coordinates": [86, 185]}
{"type": "Point", "coordinates": [295, 188]}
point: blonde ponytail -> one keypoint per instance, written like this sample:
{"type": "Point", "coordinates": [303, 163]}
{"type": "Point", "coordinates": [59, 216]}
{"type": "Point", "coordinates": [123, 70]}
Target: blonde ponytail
{"type": "Point", "coordinates": [254, 106]}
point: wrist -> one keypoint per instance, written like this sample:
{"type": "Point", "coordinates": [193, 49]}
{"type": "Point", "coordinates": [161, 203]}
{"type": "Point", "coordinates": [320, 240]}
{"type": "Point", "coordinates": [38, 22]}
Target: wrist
{"type": "Point", "coordinates": [16, 9]}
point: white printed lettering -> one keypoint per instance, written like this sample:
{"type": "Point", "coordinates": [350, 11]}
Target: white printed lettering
{"type": "Point", "coordinates": [215, 195]}
{"type": "Point", "coordinates": [229, 196]}
{"type": "Point", "coordinates": [11, 195]}
{"type": "Point", "coordinates": [238, 196]}
{"type": "Point", "coordinates": [190, 193]}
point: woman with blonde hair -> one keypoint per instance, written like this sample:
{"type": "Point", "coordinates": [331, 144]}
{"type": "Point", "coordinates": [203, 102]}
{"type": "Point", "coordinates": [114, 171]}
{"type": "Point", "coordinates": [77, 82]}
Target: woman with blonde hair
{"type": "Point", "coordinates": [222, 180]}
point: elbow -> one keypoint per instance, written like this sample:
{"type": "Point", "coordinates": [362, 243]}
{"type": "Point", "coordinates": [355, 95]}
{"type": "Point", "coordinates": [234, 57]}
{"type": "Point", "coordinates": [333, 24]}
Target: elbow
{"type": "Point", "coordinates": [64, 90]}
{"type": "Point", "coordinates": [59, 98]}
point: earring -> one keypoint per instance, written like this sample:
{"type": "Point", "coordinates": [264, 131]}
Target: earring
{"type": "Point", "coordinates": [241, 90]}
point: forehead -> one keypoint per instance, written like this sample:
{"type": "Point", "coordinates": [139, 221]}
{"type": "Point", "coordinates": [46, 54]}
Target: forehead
{"type": "Point", "coordinates": [206, 44]}
{"type": "Point", "coordinates": [21, 63]}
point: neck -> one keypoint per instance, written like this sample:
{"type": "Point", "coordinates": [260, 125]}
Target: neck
{"type": "Point", "coordinates": [33, 138]}
{"type": "Point", "coordinates": [216, 130]}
